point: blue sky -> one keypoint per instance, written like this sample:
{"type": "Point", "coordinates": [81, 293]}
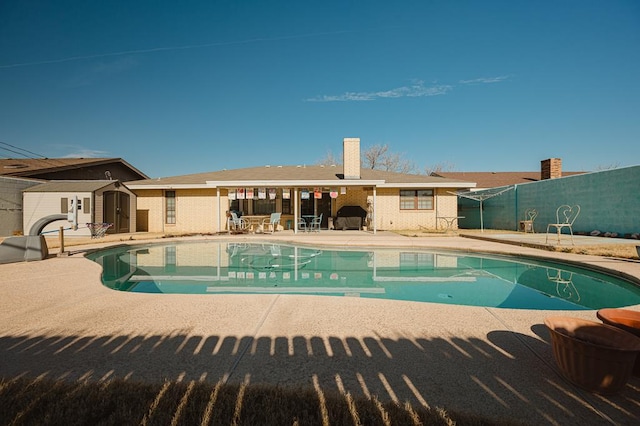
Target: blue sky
{"type": "Point", "coordinates": [186, 87]}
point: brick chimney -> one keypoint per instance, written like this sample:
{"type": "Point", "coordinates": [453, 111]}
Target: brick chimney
{"type": "Point", "coordinates": [351, 158]}
{"type": "Point", "coordinates": [550, 168]}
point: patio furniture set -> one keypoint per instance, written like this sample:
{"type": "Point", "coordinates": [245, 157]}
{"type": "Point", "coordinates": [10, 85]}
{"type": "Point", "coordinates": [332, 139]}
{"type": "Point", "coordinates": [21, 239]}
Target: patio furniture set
{"type": "Point", "coordinates": [566, 215]}
{"type": "Point", "coordinates": [253, 223]}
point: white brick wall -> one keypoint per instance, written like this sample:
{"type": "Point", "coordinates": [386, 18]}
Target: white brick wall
{"type": "Point", "coordinates": [351, 158]}
{"type": "Point", "coordinates": [196, 209]}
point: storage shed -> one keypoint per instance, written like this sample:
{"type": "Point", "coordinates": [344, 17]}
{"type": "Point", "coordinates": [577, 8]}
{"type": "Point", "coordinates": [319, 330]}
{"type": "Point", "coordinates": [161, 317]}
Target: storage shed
{"type": "Point", "coordinates": [99, 201]}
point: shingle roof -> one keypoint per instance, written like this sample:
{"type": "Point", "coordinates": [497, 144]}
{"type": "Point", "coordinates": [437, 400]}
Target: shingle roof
{"type": "Point", "coordinates": [71, 186]}
{"type": "Point", "coordinates": [303, 174]}
{"type": "Point", "coordinates": [497, 179]}
{"type": "Point", "coordinates": [31, 166]}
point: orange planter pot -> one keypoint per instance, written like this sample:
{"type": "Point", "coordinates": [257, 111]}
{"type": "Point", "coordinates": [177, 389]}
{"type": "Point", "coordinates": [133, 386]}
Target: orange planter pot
{"type": "Point", "coordinates": [626, 320]}
{"type": "Point", "coordinates": [594, 356]}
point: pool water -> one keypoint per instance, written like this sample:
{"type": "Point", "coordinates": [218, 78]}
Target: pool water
{"type": "Point", "coordinates": [460, 278]}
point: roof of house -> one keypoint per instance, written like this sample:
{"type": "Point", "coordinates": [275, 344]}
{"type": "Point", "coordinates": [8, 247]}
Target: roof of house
{"type": "Point", "coordinates": [26, 167]}
{"type": "Point", "coordinates": [71, 186]}
{"type": "Point", "coordinates": [496, 179]}
{"type": "Point", "coordinates": [297, 176]}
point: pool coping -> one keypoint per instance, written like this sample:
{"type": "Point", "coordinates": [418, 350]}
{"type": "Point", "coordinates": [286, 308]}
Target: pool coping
{"type": "Point", "coordinates": [58, 321]}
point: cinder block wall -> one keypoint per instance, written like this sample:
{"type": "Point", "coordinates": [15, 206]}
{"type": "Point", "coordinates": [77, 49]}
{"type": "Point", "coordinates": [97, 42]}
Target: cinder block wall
{"type": "Point", "coordinates": [609, 202]}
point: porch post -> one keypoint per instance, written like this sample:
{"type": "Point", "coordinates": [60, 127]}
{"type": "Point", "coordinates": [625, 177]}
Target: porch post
{"type": "Point", "coordinates": [218, 199]}
{"type": "Point", "coordinates": [295, 210]}
{"type": "Point", "coordinates": [374, 209]}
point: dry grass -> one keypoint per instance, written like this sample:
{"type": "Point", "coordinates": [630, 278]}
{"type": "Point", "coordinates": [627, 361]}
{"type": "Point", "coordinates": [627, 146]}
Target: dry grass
{"type": "Point", "coordinates": [48, 402]}
{"type": "Point", "coordinates": [619, 249]}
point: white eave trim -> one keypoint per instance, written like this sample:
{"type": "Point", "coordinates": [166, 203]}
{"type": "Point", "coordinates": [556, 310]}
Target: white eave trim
{"type": "Point", "coordinates": [301, 184]}
{"type": "Point", "coordinates": [292, 183]}
{"type": "Point", "coordinates": [429, 185]}
{"type": "Point", "coordinates": [171, 186]}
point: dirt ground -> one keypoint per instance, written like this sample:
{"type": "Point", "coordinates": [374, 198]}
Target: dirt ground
{"type": "Point", "coordinates": [617, 250]}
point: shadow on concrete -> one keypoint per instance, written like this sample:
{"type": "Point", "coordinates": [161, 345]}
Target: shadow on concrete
{"type": "Point", "coordinates": [509, 376]}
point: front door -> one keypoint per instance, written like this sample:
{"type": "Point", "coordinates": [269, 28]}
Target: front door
{"type": "Point", "coordinates": [116, 211]}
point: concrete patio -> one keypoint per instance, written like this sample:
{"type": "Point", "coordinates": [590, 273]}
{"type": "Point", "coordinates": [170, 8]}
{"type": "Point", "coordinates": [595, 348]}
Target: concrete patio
{"type": "Point", "coordinates": [58, 321]}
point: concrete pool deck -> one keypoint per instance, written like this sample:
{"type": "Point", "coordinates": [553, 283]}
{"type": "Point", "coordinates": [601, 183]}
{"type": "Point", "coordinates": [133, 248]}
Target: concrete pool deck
{"type": "Point", "coordinates": [59, 321]}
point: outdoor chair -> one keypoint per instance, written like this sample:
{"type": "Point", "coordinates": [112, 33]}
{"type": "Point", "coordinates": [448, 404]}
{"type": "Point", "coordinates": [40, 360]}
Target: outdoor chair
{"type": "Point", "coordinates": [565, 216]}
{"type": "Point", "coordinates": [302, 225]}
{"type": "Point", "coordinates": [315, 223]}
{"type": "Point", "coordinates": [237, 224]}
{"type": "Point", "coordinates": [529, 217]}
{"type": "Point", "coordinates": [271, 223]}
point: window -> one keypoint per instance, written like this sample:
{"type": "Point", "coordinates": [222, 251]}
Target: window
{"type": "Point", "coordinates": [286, 206]}
{"type": "Point", "coordinates": [420, 199]}
{"type": "Point", "coordinates": [241, 206]}
{"type": "Point", "coordinates": [170, 206]}
{"type": "Point", "coordinates": [264, 206]}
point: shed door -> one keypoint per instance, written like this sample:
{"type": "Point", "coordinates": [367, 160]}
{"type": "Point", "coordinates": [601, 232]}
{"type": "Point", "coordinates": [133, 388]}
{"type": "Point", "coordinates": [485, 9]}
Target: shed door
{"type": "Point", "coordinates": [116, 211]}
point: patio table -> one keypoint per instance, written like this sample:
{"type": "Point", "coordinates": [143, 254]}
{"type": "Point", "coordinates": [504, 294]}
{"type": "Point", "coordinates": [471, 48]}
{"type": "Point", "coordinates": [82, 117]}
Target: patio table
{"type": "Point", "coordinates": [255, 221]}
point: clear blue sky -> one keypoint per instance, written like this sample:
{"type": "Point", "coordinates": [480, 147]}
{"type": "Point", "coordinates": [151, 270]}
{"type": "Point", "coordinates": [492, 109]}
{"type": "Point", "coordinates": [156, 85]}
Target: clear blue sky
{"type": "Point", "coordinates": [193, 86]}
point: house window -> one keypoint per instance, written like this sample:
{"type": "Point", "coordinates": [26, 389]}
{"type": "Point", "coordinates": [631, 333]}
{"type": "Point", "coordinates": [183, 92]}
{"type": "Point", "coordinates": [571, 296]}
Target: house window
{"type": "Point", "coordinates": [241, 206]}
{"type": "Point", "coordinates": [264, 206]}
{"type": "Point", "coordinates": [286, 206]}
{"type": "Point", "coordinates": [170, 206]}
{"type": "Point", "coordinates": [420, 199]}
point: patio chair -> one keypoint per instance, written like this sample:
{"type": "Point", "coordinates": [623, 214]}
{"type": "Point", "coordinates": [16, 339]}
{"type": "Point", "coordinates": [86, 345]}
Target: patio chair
{"type": "Point", "coordinates": [302, 225]}
{"type": "Point", "coordinates": [565, 216]}
{"type": "Point", "coordinates": [237, 224]}
{"type": "Point", "coordinates": [271, 223]}
{"type": "Point", "coordinates": [315, 223]}
{"type": "Point", "coordinates": [529, 217]}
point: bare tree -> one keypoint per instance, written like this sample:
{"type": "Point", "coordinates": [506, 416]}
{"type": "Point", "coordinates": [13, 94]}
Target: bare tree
{"type": "Point", "coordinates": [439, 167]}
{"type": "Point", "coordinates": [379, 157]}
{"type": "Point", "coordinates": [376, 157]}
{"type": "Point", "coordinates": [329, 160]}
{"type": "Point", "coordinates": [395, 163]}
{"type": "Point", "coordinates": [373, 156]}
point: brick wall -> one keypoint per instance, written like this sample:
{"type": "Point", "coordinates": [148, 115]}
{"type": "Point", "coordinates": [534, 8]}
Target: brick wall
{"type": "Point", "coordinates": [388, 213]}
{"type": "Point", "coordinates": [551, 168]}
{"type": "Point", "coordinates": [152, 201]}
{"type": "Point", "coordinates": [351, 158]}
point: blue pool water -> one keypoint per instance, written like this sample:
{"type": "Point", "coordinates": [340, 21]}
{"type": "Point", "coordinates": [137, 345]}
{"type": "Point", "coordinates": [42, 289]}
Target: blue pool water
{"type": "Point", "coordinates": [459, 278]}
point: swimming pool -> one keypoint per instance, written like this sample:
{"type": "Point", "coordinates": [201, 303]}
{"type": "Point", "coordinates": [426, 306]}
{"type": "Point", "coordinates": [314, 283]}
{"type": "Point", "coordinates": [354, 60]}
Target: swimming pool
{"type": "Point", "coordinates": [460, 278]}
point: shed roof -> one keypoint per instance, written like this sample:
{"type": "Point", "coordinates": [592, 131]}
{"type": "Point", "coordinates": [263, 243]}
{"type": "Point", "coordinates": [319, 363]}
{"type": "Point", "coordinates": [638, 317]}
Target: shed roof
{"type": "Point", "coordinates": [71, 186]}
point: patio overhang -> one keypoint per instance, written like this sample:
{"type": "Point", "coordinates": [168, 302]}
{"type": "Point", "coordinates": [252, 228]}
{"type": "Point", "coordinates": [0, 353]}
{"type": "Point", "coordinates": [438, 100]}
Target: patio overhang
{"type": "Point", "coordinates": [292, 183]}
{"type": "Point", "coordinates": [420, 185]}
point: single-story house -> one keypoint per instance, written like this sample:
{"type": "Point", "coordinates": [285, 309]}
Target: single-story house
{"type": "Point", "coordinates": [199, 203]}
{"type": "Point", "coordinates": [98, 201]}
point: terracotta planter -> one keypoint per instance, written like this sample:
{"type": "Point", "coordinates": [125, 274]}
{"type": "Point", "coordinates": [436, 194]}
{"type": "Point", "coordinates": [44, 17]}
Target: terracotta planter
{"type": "Point", "coordinates": [626, 320]}
{"type": "Point", "coordinates": [594, 356]}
